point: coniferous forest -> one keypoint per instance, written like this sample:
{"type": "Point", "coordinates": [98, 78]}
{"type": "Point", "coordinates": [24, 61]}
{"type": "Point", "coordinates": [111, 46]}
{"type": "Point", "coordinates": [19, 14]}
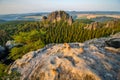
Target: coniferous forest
{"type": "Point", "coordinates": [42, 33]}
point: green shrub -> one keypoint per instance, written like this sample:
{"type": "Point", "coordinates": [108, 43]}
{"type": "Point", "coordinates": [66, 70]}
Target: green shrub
{"type": "Point", "coordinates": [2, 69]}
{"type": "Point", "coordinates": [31, 40]}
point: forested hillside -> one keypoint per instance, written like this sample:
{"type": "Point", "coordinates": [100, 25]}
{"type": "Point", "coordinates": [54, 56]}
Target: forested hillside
{"type": "Point", "coordinates": [28, 33]}
{"type": "Point", "coordinates": [57, 32]}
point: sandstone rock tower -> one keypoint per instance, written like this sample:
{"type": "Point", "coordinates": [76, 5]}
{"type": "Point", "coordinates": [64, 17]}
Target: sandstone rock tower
{"type": "Point", "coordinates": [59, 16]}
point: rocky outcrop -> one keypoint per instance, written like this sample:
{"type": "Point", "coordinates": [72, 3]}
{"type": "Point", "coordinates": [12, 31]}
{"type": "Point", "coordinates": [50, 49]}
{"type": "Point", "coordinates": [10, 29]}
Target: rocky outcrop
{"type": "Point", "coordinates": [70, 20]}
{"type": "Point", "coordinates": [96, 25]}
{"type": "Point", "coordinates": [110, 24]}
{"type": "Point", "coordinates": [58, 16]}
{"type": "Point", "coordinates": [117, 35]}
{"type": "Point", "coordinates": [91, 60]}
{"type": "Point", "coordinates": [115, 42]}
{"type": "Point", "coordinates": [44, 18]}
{"type": "Point", "coordinates": [93, 26]}
{"type": "Point", "coordinates": [11, 44]}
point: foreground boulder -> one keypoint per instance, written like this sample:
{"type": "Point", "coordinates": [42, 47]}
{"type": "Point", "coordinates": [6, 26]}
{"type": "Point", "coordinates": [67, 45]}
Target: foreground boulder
{"type": "Point", "coordinates": [70, 61]}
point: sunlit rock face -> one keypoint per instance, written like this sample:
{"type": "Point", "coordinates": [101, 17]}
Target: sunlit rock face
{"type": "Point", "coordinates": [98, 25]}
{"type": "Point", "coordinates": [111, 24]}
{"type": "Point", "coordinates": [91, 60]}
{"type": "Point", "coordinates": [93, 26]}
{"type": "Point", "coordinates": [117, 35]}
{"type": "Point", "coordinates": [59, 16]}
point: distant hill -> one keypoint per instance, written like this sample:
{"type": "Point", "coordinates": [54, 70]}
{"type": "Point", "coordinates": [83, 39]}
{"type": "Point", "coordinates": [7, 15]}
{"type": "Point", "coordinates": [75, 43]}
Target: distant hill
{"type": "Point", "coordinates": [37, 16]}
{"type": "Point", "coordinates": [27, 16]}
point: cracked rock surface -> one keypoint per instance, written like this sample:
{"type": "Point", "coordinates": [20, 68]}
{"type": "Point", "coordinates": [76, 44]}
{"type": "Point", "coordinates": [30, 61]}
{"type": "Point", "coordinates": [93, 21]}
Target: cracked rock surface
{"type": "Point", "coordinates": [91, 60]}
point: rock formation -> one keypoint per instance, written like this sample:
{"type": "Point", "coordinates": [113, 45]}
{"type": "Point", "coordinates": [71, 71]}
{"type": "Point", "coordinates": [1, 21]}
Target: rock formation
{"type": "Point", "coordinates": [59, 16]}
{"type": "Point", "coordinates": [70, 20]}
{"type": "Point", "coordinates": [115, 42]}
{"type": "Point", "coordinates": [10, 44]}
{"type": "Point", "coordinates": [93, 26]}
{"type": "Point", "coordinates": [44, 18]}
{"type": "Point", "coordinates": [111, 24]}
{"type": "Point", "coordinates": [117, 35]}
{"type": "Point", "coordinates": [91, 60]}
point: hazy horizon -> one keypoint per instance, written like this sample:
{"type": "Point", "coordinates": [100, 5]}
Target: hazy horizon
{"type": "Point", "coordinates": [30, 6]}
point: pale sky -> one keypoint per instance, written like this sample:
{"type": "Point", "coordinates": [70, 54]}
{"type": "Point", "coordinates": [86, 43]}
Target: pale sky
{"type": "Point", "coordinates": [29, 6]}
